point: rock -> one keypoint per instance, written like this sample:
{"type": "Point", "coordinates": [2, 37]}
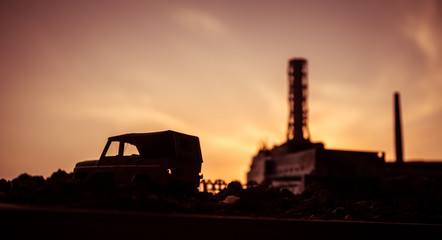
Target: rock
{"type": "Point", "coordinates": [339, 213]}
{"type": "Point", "coordinates": [231, 199]}
{"type": "Point", "coordinates": [324, 196]}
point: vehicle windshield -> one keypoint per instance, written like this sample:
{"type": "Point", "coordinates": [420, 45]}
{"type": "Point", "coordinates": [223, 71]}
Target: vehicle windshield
{"type": "Point", "coordinates": [112, 151]}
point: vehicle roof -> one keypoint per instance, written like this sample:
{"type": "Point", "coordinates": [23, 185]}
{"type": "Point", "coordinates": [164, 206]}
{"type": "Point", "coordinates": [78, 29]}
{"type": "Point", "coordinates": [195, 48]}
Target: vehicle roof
{"type": "Point", "coordinates": [143, 135]}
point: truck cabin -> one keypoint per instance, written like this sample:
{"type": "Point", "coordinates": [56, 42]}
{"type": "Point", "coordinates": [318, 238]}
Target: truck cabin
{"type": "Point", "coordinates": [167, 144]}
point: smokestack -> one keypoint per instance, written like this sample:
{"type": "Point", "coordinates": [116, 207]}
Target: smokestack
{"type": "Point", "coordinates": [398, 128]}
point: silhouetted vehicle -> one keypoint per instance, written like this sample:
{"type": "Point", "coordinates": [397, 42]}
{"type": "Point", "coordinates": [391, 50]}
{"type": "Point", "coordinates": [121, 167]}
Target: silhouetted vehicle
{"type": "Point", "coordinates": [165, 158]}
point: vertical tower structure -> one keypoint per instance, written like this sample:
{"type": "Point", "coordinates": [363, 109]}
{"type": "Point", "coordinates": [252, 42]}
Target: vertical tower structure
{"type": "Point", "coordinates": [297, 132]}
{"type": "Point", "coordinates": [398, 128]}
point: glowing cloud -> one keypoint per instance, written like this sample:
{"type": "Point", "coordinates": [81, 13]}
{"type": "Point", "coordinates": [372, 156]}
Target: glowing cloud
{"type": "Point", "coordinates": [199, 21]}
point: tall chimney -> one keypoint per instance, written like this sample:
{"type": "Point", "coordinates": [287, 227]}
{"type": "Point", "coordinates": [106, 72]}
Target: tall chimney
{"type": "Point", "coordinates": [398, 128]}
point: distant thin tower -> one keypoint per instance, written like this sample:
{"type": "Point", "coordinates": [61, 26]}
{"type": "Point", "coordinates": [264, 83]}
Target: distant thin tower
{"type": "Point", "coordinates": [398, 128]}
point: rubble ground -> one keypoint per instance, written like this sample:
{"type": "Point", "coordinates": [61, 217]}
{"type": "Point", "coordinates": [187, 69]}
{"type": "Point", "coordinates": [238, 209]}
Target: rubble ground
{"type": "Point", "coordinates": [317, 202]}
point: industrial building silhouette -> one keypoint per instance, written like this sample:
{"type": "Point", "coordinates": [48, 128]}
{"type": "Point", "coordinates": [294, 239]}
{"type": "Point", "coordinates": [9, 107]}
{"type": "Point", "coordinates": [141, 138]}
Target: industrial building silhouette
{"type": "Point", "coordinates": [299, 162]}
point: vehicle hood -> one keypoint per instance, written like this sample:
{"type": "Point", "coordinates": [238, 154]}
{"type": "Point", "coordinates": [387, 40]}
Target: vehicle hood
{"type": "Point", "coordinates": [87, 163]}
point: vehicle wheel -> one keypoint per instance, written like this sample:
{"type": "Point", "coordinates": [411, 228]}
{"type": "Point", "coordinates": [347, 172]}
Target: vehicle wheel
{"type": "Point", "coordinates": [142, 182]}
{"type": "Point", "coordinates": [183, 189]}
{"type": "Point", "coordinates": [101, 181]}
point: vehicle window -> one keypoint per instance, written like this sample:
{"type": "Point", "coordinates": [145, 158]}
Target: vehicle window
{"type": "Point", "coordinates": [112, 151]}
{"type": "Point", "coordinates": [130, 150]}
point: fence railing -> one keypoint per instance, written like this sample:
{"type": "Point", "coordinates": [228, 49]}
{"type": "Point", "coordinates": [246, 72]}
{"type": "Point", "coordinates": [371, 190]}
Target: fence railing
{"type": "Point", "coordinates": [212, 187]}
{"type": "Point", "coordinates": [217, 186]}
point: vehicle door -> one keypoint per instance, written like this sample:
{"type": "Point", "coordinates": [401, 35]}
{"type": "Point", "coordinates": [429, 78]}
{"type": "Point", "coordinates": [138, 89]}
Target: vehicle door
{"type": "Point", "coordinates": [110, 157]}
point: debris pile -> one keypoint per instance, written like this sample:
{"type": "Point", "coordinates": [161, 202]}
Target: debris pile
{"type": "Point", "coordinates": [258, 201]}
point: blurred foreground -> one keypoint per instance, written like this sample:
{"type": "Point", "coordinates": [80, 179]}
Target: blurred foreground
{"type": "Point", "coordinates": [21, 222]}
{"type": "Point", "coordinates": [416, 204]}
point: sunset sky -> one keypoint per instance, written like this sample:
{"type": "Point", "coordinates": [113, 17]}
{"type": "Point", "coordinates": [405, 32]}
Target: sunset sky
{"type": "Point", "coordinates": [76, 72]}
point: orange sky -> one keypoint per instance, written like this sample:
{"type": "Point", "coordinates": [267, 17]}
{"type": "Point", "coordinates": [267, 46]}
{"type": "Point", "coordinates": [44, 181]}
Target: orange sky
{"type": "Point", "coordinates": [74, 73]}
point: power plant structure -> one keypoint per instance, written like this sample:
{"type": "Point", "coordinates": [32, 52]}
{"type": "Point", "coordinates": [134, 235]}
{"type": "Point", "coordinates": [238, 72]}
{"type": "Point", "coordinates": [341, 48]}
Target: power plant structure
{"type": "Point", "coordinates": [298, 161]}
